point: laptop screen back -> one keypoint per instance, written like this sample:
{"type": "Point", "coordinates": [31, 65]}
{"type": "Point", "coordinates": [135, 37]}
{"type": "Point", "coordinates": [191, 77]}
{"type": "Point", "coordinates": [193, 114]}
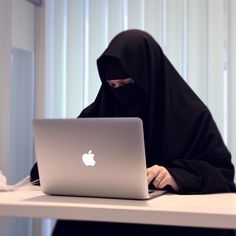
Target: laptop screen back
{"type": "Point", "coordinates": [95, 157]}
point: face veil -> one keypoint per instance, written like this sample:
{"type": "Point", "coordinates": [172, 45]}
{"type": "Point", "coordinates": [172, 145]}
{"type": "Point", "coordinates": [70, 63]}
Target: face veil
{"type": "Point", "coordinates": [128, 100]}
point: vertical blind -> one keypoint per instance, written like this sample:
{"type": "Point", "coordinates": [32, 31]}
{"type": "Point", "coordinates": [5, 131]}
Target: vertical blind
{"type": "Point", "coordinates": [198, 37]}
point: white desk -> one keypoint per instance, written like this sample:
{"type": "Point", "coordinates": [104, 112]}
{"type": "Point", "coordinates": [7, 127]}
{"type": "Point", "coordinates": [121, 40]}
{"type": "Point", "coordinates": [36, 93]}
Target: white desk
{"type": "Point", "coordinates": [215, 210]}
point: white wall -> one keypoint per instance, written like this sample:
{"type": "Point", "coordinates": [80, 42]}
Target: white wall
{"type": "Point", "coordinates": [5, 73]}
{"type": "Point", "coordinates": [19, 14]}
{"type": "Point", "coordinates": [23, 25]}
{"type": "Point", "coordinates": [17, 40]}
{"type": "Point", "coordinates": [5, 50]}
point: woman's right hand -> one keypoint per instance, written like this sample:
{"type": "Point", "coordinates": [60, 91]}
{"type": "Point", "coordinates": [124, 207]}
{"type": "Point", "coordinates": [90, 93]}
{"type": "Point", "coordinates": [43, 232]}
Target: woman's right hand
{"type": "Point", "coordinates": [161, 177]}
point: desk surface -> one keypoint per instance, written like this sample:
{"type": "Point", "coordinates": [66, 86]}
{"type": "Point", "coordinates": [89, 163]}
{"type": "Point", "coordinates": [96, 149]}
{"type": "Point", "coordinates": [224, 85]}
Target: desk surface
{"type": "Point", "coordinates": [212, 210]}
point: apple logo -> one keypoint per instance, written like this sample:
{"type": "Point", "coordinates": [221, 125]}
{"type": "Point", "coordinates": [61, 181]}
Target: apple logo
{"type": "Point", "coordinates": [88, 158]}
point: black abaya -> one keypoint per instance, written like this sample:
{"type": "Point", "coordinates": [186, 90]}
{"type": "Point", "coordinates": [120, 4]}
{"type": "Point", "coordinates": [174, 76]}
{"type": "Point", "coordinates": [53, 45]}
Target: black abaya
{"type": "Point", "coordinates": [180, 132]}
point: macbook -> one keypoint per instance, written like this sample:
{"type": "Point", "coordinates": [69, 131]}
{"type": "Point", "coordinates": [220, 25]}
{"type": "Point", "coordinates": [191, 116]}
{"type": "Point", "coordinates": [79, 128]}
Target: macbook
{"type": "Point", "coordinates": [92, 157]}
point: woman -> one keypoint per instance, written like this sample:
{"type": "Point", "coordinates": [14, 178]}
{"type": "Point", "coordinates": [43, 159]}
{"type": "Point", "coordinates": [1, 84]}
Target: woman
{"type": "Point", "coordinates": [185, 151]}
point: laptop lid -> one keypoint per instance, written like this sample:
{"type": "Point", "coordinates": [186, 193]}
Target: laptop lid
{"type": "Point", "coordinates": [95, 157]}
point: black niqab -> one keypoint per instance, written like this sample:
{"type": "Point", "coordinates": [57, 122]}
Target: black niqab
{"type": "Point", "coordinates": [124, 101]}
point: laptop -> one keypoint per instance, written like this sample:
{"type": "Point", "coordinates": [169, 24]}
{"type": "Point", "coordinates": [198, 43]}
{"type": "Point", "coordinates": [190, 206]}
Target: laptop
{"type": "Point", "coordinates": [92, 157]}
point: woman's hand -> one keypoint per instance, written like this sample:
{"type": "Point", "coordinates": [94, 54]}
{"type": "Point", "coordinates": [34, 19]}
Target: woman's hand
{"type": "Point", "coordinates": [161, 177]}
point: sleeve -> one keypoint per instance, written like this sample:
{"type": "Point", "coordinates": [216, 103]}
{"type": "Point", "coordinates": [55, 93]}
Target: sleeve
{"type": "Point", "coordinates": [34, 175]}
{"type": "Point", "coordinates": [208, 167]}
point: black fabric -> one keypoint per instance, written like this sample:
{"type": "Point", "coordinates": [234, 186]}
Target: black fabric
{"type": "Point", "coordinates": [180, 132]}
{"type": "Point", "coordinates": [34, 175]}
{"type": "Point", "coordinates": [77, 228]}
{"type": "Point", "coordinates": [126, 105]}
{"type": "Point", "coordinates": [114, 69]}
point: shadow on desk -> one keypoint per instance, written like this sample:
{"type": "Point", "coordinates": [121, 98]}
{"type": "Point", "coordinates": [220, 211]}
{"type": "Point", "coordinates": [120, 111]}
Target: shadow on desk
{"type": "Point", "coordinates": [52, 199]}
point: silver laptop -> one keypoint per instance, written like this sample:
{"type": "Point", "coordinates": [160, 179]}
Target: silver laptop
{"type": "Point", "coordinates": [94, 157]}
